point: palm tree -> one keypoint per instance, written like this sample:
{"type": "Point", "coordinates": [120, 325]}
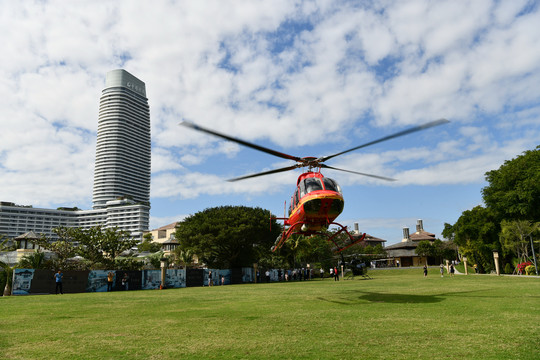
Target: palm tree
{"type": "Point", "coordinates": [33, 261]}
{"type": "Point", "coordinates": [184, 256]}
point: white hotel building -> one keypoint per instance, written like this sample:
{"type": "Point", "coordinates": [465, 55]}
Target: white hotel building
{"type": "Point", "coordinates": [121, 194]}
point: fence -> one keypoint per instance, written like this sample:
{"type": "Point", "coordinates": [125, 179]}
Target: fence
{"type": "Point", "coordinates": [37, 281]}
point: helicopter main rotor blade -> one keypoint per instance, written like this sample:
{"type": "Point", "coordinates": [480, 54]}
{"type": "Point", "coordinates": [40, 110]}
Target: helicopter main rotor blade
{"type": "Point", "coordinates": [266, 173]}
{"type": "Point", "coordinates": [242, 142]}
{"type": "Point", "coordinates": [357, 173]}
{"type": "Point", "coordinates": [393, 136]}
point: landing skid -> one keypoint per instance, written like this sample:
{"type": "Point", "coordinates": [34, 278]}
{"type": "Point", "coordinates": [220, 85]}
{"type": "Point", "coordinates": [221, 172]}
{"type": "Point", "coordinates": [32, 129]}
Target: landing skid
{"type": "Point", "coordinates": [337, 249]}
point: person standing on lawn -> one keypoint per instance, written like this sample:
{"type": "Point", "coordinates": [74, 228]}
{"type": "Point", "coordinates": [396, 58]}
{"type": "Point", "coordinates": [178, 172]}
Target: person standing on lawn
{"type": "Point", "coordinates": [58, 279]}
{"type": "Point", "coordinates": [110, 279]}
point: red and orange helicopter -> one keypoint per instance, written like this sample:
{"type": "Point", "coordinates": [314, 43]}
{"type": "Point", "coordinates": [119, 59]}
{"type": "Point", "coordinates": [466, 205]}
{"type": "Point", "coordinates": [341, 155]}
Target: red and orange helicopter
{"type": "Point", "coordinates": [317, 200]}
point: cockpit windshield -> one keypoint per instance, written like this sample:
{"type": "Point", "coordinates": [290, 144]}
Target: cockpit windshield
{"type": "Point", "coordinates": [312, 184]}
{"type": "Point", "coordinates": [331, 185]}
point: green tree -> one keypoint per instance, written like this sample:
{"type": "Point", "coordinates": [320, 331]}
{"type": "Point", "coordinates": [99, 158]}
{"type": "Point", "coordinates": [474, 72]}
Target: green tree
{"type": "Point", "coordinates": [425, 248]}
{"type": "Point", "coordinates": [183, 256]}
{"type": "Point", "coordinates": [114, 241]}
{"type": "Point", "coordinates": [228, 236]}
{"type": "Point", "coordinates": [513, 191]}
{"type": "Point", "coordinates": [476, 234]}
{"type": "Point", "coordinates": [100, 247]}
{"type": "Point", "coordinates": [515, 237]}
{"type": "Point", "coordinates": [64, 248]}
{"type": "Point", "coordinates": [148, 245]}
{"type": "Point", "coordinates": [33, 261]}
{"type": "Point", "coordinates": [300, 250]}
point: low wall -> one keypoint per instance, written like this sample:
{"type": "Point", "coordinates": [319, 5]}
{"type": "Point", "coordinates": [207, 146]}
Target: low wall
{"type": "Point", "coordinates": [30, 281]}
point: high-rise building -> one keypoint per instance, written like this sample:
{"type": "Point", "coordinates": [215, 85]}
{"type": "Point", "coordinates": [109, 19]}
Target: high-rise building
{"type": "Point", "coordinates": [121, 194]}
{"type": "Point", "coordinates": [122, 168]}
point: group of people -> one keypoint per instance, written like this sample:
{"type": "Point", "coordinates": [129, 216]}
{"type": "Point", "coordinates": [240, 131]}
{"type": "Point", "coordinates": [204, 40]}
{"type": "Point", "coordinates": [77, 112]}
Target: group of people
{"type": "Point", "coordinates": [287, 275]}
{"type": "Point", "coordinates": [300, 274]}
{"type": "Point", "coordinates": [334, 273]}
{"type": "Point", "coordinates": [110, 281]}
{"type": "Point", "coordinates": [451, 270]}
{"type": "Point", "coordinates": [211, 281]}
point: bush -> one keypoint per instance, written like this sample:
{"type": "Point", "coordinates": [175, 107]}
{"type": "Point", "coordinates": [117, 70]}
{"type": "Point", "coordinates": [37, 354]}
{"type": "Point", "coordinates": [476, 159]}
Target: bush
{"type": "Point", "coordinates": [522, 266]}
{"type": "Point", "coordinates": [508, 268]}
{"type": "Point", "coordinates": [129, 264]}
{"type": "Point", "coordinates": [530, 270]}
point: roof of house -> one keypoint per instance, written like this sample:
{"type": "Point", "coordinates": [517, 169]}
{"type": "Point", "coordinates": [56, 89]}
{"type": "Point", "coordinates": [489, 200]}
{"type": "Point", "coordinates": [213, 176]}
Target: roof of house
{"type": "Point", "coordinates": [167, 227]}
{"type": "Point", "coordinates": [28, 236]}
{"type": "Point", "coordinates": [403, 245]}
{"type": "Point", "coordinates": [422, 235]}
{"type": "Point", "coordinates": [373, 238]}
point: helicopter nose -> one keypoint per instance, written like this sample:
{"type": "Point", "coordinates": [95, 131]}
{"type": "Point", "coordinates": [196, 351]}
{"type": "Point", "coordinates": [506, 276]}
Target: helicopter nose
{"type": "Point", "coordinates": [326, 206]}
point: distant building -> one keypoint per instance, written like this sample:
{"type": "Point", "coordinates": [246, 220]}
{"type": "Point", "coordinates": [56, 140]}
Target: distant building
{"type": "Point", "coordinates": [163, 234]}
{"type": "Point", "coordinates": [403, 253]}
{"type": "Point", "coordinates": [123, 149]}
{"type": "Point", "coordinates": [121, 194]}
{"type": "Point", "coordinates": [369, 240]}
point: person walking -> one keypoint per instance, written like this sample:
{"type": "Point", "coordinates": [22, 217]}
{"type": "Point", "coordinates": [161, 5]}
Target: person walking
{"type": "Point", "coordinates": [425, 270]}
{"type": "Point", "coordinates": [336, 274]}
{"type": "Point", "coordinates": [58, 279]}
{"type": "Point", "coordinates": [210, 282]}
{"type": "Point", "coordinates": [442, 270]}
{"type": "Point", "coordinates": [322, 273]}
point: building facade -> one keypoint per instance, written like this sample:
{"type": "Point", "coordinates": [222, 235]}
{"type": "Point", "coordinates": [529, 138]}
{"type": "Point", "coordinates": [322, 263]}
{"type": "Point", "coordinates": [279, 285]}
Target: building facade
{"type": "Point", "coordinates": [121, 193]}
{"type": "Point", "coordinates": [122, 167]}
{"type": "Point", "coordinates": [403, 254]}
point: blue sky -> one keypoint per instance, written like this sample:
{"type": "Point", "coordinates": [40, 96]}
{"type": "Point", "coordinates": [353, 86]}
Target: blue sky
{"type": "Point", "coordinates": [307, 78]}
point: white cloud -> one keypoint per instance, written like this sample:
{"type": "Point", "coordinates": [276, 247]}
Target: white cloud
{"type": "Point", "coordinates": [314, 74]}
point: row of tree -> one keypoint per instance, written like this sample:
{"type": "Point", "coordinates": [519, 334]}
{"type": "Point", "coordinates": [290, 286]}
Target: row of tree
{"type": "Point", "coordinates": [84, 249]}
{"type": "Point", "coordinates": [238, 236]}
{"type": "Point", "coordinates": [509, 223]}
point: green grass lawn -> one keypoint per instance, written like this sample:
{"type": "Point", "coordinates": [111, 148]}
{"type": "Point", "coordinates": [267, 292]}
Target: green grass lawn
{"type": "Point", "coordinates": [398, 314]}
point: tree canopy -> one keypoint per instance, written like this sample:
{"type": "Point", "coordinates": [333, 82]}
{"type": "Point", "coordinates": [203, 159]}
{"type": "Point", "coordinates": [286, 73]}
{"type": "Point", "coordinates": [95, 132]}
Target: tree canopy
{"type": "Point", "coordinates": [513, 191]}
{"type": "Point", "coordinates": [228, 236]}
{"type": "Point", "coordinates": [512, 202]}
{"type": "Point", "coordinates": [100, 247]}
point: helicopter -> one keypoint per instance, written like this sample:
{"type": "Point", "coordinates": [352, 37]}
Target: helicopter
{"type": "Point", "coordinates": [317, 200]}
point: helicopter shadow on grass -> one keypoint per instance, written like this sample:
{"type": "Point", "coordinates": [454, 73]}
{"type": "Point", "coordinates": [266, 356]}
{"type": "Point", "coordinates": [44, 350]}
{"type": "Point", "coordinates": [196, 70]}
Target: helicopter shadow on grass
{"type": "Point", "coordinates": [392, 298]}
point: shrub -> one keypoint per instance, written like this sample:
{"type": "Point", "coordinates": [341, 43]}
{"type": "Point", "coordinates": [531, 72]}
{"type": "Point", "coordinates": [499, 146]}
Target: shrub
{"type": "Point", "coordinates": [507, 268]}
{"type": "Point", "coordinates": [521, 267]}
{"type": "Point", "coordinates": [530, 270]}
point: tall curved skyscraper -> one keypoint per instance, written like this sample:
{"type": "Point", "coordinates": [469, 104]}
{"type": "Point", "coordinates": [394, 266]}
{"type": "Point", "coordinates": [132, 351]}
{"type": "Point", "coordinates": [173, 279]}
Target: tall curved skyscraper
{"type": "Point", "coordinates": [121, 174]}
{"type": "Point", "coordinates": [123, 151]}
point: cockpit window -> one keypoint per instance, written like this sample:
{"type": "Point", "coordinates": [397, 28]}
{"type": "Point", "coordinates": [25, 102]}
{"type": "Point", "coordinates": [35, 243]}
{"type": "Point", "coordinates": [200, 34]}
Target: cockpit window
{"type": "Point", "coordinates": [312, 184]}
{"type": "Point", "coordinates": [331, 185]}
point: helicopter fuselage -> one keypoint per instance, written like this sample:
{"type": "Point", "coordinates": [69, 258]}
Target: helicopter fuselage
{"type": "Point", "coordinates": [315, 204]}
